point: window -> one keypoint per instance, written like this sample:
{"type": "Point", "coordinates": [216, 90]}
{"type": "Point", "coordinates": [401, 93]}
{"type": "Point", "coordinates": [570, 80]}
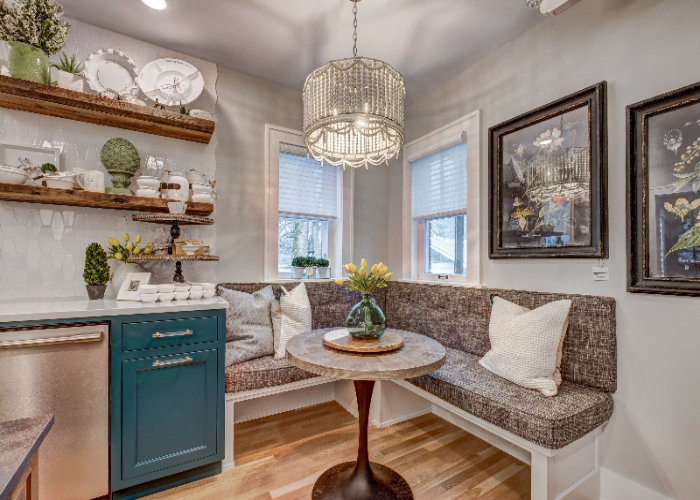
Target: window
{"type": "Point", "coordinates": [308, 207]}
{"type": "Point", "coordinates": [441, 204]}
{"type": "Point", "coordinates": [439, 201]}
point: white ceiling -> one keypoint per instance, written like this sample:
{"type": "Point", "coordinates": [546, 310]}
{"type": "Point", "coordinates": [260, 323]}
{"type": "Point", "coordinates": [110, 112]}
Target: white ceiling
{"type": "Point", "coordinates": [428, 41]}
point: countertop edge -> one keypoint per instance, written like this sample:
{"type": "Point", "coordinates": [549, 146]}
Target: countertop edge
{"type": "Point", "coordinates": [14, 480]}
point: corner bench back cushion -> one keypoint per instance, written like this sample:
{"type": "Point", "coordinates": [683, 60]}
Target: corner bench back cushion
{"type": "Point", "coordinates": [458, 317]}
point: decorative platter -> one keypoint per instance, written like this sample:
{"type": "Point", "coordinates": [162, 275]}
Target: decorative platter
{"type": "Point", "coordinates": [342, 340]}
{"type": "Point", "coordinates": [111, 72]}
{"type": "Point", "coordinates": [171, 81]}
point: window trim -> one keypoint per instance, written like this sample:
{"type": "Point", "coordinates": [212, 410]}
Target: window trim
{"type": "Point", "coordinates": [466, 129]}
{"type": "Point", "coordinates": [341, 247]}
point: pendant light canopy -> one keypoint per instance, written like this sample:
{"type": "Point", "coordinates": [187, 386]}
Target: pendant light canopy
{"type": "Point", "coordinates": [354, 110]}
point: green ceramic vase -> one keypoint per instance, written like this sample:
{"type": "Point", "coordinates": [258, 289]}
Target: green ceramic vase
{"type": "Point", "coordinates": [366, 320]}
{"type": "Point", "coordinates": [29, 63]}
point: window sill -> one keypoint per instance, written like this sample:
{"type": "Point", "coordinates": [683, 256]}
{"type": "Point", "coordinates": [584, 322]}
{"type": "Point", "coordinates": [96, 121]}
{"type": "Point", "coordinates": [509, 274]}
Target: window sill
{"type": "Point", "coordinates": [294, 280]}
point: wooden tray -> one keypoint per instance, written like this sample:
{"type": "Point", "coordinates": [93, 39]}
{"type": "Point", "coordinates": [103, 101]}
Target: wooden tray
{"type": "Point", "coordinates": [390, 341]}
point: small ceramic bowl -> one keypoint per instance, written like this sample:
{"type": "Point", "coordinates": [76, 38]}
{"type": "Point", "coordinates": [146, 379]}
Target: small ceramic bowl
{"type": "Point", "coordinates": [181, 287]}
{"type": "Point", "coordinates": [166, 288]}
{"type": "Point", "coordinates": [207, 294]}
{"type": "Point", "coordinates": [166, 297]}
{"type": "Point", "coordinates": [13, 175]}
{"type": "Point", "coordinates": [202, 188]}
{"type": "Point", "coordinates": [196, 294]}
{"type": "Point", "coordinates": [196, 287]}
{"type": "Point", "coordinates": [147, 193]}
{"type": "Point", "coordinates": [148, 182]}
{"type": "Point", "coordinates": [177, 207]}
{"type": "Point", "coordinates": [206, 286]}
{"type": "Point", "coordinates": [60, 181]}
{"type": "Point", "coordinates": [190, 249]}
{"type": "Point", "coordinates": [203, 198]}
{"type": "Point", "coordinates": [149, 297]}
{"type": "Point", "coordinates": [182, 295]}
{"type": "Point", "coordinates": [148, 289]}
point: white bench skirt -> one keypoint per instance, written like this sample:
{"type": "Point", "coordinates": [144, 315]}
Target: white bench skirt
{"type": "Point", "coordinates": [570, 473]}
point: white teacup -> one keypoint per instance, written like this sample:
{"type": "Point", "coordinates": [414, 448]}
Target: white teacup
{"type": "Point", "coordinates": [90, 180]}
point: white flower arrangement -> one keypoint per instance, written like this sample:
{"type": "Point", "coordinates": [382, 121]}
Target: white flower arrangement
{"type": "Point", "coordinates": [35, 22]}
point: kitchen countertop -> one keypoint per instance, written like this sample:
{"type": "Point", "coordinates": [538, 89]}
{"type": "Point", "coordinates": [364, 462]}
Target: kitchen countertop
{"type": "Point", "coordinates": [19, 442]}
{"type": "Point", "coordinates": [77, 307]}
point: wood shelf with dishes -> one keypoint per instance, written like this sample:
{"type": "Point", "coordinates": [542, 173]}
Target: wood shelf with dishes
{"type": "Point", "coordinates": [177, 252]}
{"type": "Point", "coordinates": [80, 198]}
{"type": "Point", "coordinates": [48, 100]}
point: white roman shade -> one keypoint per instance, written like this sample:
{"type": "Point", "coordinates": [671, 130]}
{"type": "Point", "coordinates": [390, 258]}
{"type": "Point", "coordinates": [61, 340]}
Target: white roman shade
{"type": "Point", "coordinates": [306, 189]}
{"type": "Point", "coordinates": [439, 182]}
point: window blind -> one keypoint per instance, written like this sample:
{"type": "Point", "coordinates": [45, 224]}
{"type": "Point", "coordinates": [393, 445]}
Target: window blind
{"type": "Point", "coordinates": [305, 188]}
{"type": "Point", "coordinates": [439, 186]}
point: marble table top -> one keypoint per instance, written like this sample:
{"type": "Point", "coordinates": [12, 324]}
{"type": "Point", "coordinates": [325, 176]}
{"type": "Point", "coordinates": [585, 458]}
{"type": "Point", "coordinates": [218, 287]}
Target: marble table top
{"type": "Point", "coordinates": [19, 442]}
{"type": "Point", "coordinates": [418, 355]}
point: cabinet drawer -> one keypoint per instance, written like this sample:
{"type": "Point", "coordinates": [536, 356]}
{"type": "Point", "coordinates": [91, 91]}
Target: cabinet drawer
{"type": "Point", "coordinates": [170, 332]}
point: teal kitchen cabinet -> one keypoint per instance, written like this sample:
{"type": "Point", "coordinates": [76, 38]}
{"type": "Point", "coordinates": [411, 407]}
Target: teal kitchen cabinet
{"type": "Point", "coordinates": [167, 400]}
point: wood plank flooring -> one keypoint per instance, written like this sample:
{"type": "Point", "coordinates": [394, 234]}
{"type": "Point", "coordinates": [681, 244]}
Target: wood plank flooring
{"type": "Point", "coordinates": [280, 457]}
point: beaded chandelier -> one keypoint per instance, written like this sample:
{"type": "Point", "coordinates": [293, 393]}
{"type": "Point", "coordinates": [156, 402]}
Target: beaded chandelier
{"type": "Point", "coordinates": [354, 110]}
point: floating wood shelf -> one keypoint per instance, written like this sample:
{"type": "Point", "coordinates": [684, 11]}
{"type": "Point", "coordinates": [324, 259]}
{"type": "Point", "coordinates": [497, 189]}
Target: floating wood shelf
{"type": "Point", "coordinates": [182, 220]}
{"type": "Point", "coordinates": [79, 198]}
{"type": "Point", "coordinates": [54, 101]}
{"type": "Point", "coordinates": [173, 258]}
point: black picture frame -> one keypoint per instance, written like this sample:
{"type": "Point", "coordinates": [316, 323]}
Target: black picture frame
{"type": "Point", "coordinates": [647, 245]}
{"type": "Point", "coordinates": [594, 100]}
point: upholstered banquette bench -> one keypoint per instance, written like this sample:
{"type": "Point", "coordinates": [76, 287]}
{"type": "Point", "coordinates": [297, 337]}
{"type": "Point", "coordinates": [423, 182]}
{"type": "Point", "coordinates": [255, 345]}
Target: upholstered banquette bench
{"type": "Point", "coordinates": [558, 436]}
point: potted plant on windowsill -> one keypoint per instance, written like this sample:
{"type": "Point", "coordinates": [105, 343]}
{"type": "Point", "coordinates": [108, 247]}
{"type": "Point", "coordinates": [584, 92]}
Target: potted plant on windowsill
{"type": "Point", "coordinates": [96, 273]}
{"type": "Point", "coordinates": [69, 73]}
{"type": "Point", "coordinates": [298, 265]}
{"type": "Point", "coordinates": [324, 271]}
{"type": "Point", "coordinates": [311, 264]}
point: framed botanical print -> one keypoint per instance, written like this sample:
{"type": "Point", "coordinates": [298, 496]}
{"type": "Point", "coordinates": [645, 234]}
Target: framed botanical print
{"type": "Point", "coordinates": [548, 180]}
{"type": "Point", "coordinates": [663, 193]}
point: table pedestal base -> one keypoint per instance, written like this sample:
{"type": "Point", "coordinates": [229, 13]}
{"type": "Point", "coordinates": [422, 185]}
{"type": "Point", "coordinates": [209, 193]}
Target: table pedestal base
{"type": "Point", "coordinates": [360, 480]}
{"type": "Point", "coordinates": [345, 482]}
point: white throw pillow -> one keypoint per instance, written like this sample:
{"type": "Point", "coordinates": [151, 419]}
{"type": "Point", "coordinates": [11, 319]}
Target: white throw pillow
{"type": "Point", "coordinates": [294, 309]}
{"type": "Point", "coordinates": [526, 346]}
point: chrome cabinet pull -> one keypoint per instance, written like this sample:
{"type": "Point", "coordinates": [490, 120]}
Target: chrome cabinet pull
{"type": "Point", "coordinates": [68, 339]}
{"type": "Point", "coordinates": [159, 335]}
{"type": "Point", "coordinates": [182, 361]}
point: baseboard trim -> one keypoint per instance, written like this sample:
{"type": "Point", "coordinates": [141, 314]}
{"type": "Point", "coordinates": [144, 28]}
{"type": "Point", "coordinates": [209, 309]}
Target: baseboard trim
{"type": "Point", "coordinates": [404, 418]}
{"type": "Point", "coordinates": [293, 407]}
{"type": "Point", "coordinates": [613, 486]}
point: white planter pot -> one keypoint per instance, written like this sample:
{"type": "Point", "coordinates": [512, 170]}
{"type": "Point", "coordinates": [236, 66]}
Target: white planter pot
{"type": "Point", "coordinates": [297, 273]}
{"type": "Point", "coordinates": [69, 81]}
{"type": "Point", "coordinates": [311, 272]}
{"type": "Point", "coordinates": [324, 272]}
{"type": "Point", "coordinates": [120, 270]}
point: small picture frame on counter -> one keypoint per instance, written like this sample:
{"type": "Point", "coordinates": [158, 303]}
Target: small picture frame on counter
{"type": "Point", "coordinates": [130, 286]}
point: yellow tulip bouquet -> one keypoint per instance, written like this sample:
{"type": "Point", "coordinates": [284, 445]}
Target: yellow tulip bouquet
{"type": "Point", "coordinates": [124, 251]}
{"type": "Point", "coordinates": [365, 281]}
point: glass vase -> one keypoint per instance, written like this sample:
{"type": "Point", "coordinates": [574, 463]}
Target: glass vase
{"type": "Point", "coordinates": [366, 320]}
{"type": "Point", "coordinates": [29, 63]}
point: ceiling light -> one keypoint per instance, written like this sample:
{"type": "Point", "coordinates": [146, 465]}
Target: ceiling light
{"type": "Point", "coordinates": [156, 4]}
{"type": "Point", "coordinates": [354, 111]}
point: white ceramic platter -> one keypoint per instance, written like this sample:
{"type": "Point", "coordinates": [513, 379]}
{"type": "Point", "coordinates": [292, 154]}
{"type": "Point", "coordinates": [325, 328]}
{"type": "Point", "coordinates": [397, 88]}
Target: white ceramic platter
{"type": "Point", "coordinates": [111, 72]}
{"type": "Point", "coordinates": [171, 81]}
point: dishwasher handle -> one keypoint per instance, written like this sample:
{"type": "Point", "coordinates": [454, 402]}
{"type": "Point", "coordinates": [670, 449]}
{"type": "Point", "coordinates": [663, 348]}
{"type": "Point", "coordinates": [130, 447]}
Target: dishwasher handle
{"type": "Point", "coordinates": [65, 339]}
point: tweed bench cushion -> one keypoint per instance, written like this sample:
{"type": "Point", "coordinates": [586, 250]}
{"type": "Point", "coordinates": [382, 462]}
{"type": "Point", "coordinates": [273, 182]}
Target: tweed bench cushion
{"type": "Point", "coordinates": [550, 422]}
{"type": "Point", "coordinates": [262, 373]}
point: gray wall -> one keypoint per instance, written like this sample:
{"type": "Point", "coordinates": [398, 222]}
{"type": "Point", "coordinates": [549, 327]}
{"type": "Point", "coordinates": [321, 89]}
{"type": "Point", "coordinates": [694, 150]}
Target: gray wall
{"type": "Point", "coordinates": [245, 105]}
{"type": "Point", "coordinates": [642, 48]}
{"type": "Point", "coordinates": [371, 239]}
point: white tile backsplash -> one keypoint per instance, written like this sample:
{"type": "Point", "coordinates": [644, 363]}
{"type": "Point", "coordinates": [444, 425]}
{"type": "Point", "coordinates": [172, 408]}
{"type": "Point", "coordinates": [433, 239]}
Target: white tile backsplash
{"type": "Point", "coordinates": [42, 247]}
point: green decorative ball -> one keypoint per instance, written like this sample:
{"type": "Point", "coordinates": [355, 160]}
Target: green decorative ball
{"type": "Point", "coordinates": [122, 160]}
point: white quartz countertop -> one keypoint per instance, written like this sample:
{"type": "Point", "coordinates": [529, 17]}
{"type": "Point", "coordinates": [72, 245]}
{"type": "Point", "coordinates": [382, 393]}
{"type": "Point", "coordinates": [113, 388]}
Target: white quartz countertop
{"type": "Point", "coordinates": [77, 307]}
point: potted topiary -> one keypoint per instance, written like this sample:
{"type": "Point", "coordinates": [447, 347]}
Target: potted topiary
{"type": "Point", "coordinates": [311, 264]}
{"type": "Point", "coordinates": [35, 32]}
{"type": "Point", "coordinates": [96, 273]}
{"type": "Point", "coordinates": [324, 271]}
{"type": "Point", "coordinates": [298, 265]}
{"type": "Point", "coordinates": [122, 160]}
{"type": "Point", "coordinates": [70, 73]}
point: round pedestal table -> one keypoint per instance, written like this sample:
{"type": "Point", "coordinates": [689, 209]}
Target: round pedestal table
{"type": "Point", "coordinates": [363, 480]}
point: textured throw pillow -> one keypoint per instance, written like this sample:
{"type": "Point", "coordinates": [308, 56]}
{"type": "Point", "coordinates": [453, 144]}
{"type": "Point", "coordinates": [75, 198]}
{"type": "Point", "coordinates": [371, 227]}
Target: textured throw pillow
{"type": "Point", "coordinates": [248, 325]}
{"type": "Point", "coordinates": [293, 314]}
{"type": "Point", "coordinates": [526, 345]}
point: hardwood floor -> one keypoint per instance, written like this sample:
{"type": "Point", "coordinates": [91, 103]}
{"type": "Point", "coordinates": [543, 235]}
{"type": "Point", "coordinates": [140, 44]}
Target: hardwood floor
{"type": "Point", "coordinates": [280, 457]}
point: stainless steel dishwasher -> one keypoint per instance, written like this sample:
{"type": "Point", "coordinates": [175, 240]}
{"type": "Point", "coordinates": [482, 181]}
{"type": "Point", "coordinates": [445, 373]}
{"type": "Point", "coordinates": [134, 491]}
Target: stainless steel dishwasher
{"type": "Point", "coordinates": [62, 370]}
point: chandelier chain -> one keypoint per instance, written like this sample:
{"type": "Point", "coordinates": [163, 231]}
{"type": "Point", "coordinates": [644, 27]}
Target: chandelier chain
{"type": "Point", "coordinates": [354, 24]}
